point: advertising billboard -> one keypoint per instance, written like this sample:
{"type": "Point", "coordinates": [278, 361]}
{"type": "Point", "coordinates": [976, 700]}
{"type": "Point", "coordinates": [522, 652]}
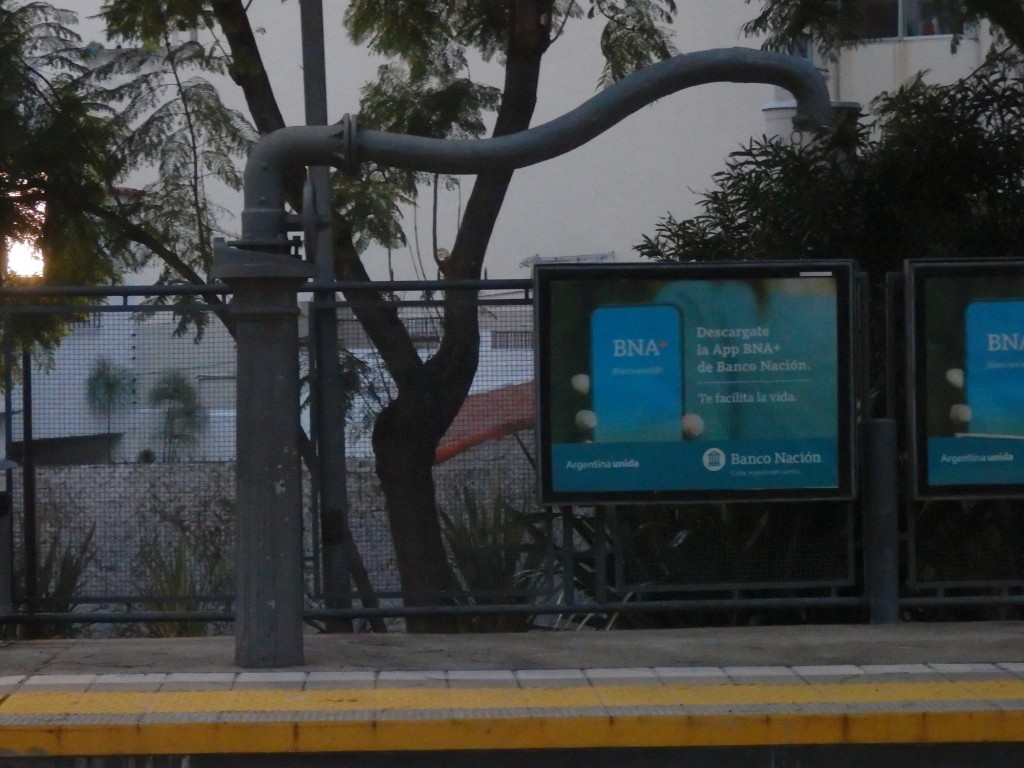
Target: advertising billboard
{"type": "Point", "coordinates": [685, 382]}
{"type": "Point", "coordinates": [966, 362]}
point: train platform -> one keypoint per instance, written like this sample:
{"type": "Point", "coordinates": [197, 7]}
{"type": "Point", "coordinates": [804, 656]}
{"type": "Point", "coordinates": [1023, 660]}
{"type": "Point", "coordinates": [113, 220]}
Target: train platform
{"type": "Point", "coordinates": [624, 693]}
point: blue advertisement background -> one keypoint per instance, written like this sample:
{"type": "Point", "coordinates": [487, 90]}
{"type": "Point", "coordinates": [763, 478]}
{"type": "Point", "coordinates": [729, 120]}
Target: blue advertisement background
{"type": "Point", "coordinates": [995, 367]}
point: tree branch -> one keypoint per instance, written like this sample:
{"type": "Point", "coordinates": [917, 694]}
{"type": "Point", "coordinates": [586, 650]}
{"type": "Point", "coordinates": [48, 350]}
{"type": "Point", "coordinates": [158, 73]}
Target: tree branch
{"type": "Point", "coordinates": [138, 234]}
{"type": "Point", "coordinates": [378, 316]}
{"type": "Point", "coordinates": [247, 68]}
{"type": "Point", "coordinates": [456, 359]}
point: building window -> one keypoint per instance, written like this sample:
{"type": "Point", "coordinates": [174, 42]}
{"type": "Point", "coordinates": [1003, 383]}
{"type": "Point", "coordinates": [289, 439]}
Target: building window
{"type": "Point", "coordinates": [423, 330]}
{"type": "Point", "coordinates": [909, 18]}
{"type": "Point", "coordinates": [511, 339]}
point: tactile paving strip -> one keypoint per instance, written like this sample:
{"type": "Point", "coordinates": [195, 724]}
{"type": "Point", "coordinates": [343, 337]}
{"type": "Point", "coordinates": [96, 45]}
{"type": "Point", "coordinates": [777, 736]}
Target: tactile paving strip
{"type": "Point", "coordinates": [308, 712]}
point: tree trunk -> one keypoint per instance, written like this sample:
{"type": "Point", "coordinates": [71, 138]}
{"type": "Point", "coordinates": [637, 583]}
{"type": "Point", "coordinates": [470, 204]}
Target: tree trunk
{"type": "Point", "coordinates": [430, 394]}
{"type": "Point", "coordinates": [404, 448]}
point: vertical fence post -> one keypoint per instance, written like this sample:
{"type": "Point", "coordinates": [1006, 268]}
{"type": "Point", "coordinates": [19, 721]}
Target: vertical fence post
{"type": "Point", "coordinates": [328, 412]}
{"type": "Point", "coordinates": [881, 528]}
{"type": "Point", "coordinates": [6, 510]}
{"type": "Point", "coordinates": [30, 532]}
{"type": "Point", "coordinates": [568, 557]}
{"type": "Point", "coordinates": [600, 552]}
{"type": "Point", "coordinates": [268, 565]}
{"type": "Point", "coordinates": [6, 541]}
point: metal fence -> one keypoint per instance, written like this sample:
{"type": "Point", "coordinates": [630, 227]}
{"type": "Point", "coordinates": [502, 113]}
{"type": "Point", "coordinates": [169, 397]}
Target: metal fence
{"type": "Point", "coordinates": [123, 496]}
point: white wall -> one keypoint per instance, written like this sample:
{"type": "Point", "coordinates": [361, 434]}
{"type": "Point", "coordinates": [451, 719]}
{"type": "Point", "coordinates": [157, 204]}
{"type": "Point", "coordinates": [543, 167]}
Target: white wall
{"type": "Point", "coordinates": [862, 73]}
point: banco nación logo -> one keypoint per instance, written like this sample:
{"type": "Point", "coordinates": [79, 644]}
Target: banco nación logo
{"type": "Point", "coordinates": [714, 459]}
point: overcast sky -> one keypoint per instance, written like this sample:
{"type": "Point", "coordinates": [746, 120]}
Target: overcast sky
{"type": "Point", "coordinates": [599, 198]}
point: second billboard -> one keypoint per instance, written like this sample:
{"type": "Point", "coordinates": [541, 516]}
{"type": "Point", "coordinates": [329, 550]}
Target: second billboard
{"type": "Point", "coordinates": [966, 364]}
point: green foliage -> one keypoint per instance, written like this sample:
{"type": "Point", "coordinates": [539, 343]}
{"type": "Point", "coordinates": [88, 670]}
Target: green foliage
{"type": "Point", "coordinates": [107, 386]}
{"type": "Point", "coordinates": [789, 23]}
{"type": "Point", "coordinates": [79, 119]}
{"type": "Point", "coordinates": [173, 120]}
{"type": "Point", "coordinates": [773, 200]}
{"type": "Point", "coordinates": [427, 89]}
{"type": "Point", "coordinates": [173, 572]}
{"type": "Point", "coordinates": [184, 415]}
{"type": "Point", "coordinates": [428, 33]}
{"type": "Point", "coordinates": [496, 554]}
{"type": "Point", "coordinates": [426, 106]}
{"type": "Point", "coordinates": [149, 21]}
{"type": "Point", "coordinates": [634, 35]}
{"type": "Point", "coordinates": [937, 174]}
{"type": "Point", "coordinates": [429, 102]}
{"type": "Point", "coordinates": [193, 569]}
{"type": "Point", "coordinates": [55, 157]}
{"type": "Point", "coordinates": [650, 554]}
{"type": "Point", "coordinates": [60, 577]}
{"type": "Point", "coordinates": [367, 209]}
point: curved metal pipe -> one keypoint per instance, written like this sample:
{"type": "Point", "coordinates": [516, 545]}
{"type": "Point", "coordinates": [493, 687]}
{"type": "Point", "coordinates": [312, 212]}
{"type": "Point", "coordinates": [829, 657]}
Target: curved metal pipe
{"type": "Point", "coordinates": [338, 145]}
{"type": "Point", "coordinates": [598, 114]}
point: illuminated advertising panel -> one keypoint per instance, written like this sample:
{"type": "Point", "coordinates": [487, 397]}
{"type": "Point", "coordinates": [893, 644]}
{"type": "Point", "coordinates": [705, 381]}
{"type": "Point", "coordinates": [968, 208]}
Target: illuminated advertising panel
{"type": "Point", "coordinates": [966, 362]}
{"type": "Point", "coordinates": [694, 381]}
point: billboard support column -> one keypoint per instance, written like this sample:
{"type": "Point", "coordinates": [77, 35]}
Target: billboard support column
{"type": "Point", "coordinates": [881, 525]}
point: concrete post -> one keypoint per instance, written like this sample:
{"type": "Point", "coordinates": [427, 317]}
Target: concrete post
{"type": "Point", "coordinates": [268, 504]}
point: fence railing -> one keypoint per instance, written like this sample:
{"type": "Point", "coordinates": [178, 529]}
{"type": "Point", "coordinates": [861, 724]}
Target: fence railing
{"type": "Point", "coordinates": [122, 498]}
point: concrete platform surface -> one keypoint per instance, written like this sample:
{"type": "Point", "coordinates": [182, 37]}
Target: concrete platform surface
{"type": "Point", "coordinates": [738, 646]}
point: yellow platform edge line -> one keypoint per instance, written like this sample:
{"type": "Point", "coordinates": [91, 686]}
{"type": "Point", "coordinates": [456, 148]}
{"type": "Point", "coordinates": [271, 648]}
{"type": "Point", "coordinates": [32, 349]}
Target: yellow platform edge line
{"type": "Point", "coordinates": [514, 733]}
{"type": "Point", "coordinates": [374, 701]}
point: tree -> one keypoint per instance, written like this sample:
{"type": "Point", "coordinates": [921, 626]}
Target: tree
{"type": "Point", "coordinates": [106, 388]}
{"type": "Point", "coordinates": [54, 146]}
{"type": "Point", "coordinates": [54, 158]}
{"type": "Point", "coordinates": [432, 42]}
{"type": "Point", "coordinates": [183, 413]}
{"type": "Point", "coordinates": [934, 173]}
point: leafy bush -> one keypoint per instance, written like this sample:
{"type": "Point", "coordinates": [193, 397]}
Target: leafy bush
{"type": "Point", "coordinates": [497, 554]}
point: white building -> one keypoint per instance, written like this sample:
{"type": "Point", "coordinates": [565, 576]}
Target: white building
{"type": "Point", "coordinates": [910, 38]}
